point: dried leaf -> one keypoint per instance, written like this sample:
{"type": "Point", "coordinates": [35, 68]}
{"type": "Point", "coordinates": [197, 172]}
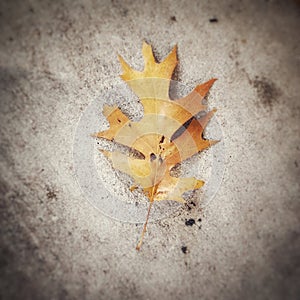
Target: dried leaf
{"type": "Point", "coordinates": [159, 136]}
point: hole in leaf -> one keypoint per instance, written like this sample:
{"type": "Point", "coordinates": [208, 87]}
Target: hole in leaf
{"type": "Point", "coordinates": [152, 156]}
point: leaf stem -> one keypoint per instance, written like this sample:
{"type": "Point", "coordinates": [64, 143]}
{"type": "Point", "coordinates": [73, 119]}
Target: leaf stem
{"type": "Point", "coordinates": [138, 246]}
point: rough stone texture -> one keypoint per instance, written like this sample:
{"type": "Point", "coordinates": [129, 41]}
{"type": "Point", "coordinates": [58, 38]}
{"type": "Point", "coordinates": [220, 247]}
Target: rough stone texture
{"type": "Point", "coordinates": [56, 57]}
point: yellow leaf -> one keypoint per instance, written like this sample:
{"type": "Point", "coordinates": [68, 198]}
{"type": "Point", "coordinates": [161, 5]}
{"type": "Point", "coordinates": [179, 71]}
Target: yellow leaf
{"type": "Point", "coordinates": [167, 134]}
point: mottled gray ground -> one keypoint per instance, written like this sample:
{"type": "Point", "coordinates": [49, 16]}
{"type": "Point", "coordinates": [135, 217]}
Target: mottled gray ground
{"type": "Point", "coordinates": [56, 57]}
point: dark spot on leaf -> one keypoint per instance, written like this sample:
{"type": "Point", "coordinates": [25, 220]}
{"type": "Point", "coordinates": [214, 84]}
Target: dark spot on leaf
{"type": "Point", "coordinates": [162, 139]}
{"type": "Point", "coordinates": [190, 222]}
{"type": "Point", "coordinates": [184, 249]}
{"type": "Point", "coordinates": [213, 20]}
{"type": "Point", "coordinates": [119, 120]}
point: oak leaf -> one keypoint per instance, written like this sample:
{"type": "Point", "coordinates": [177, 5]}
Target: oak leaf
{"type": "Point", "coordinates": [168, 133]}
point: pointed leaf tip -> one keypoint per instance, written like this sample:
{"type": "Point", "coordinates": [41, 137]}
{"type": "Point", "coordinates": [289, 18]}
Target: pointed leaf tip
{"type": "Point", "coordinates": [199, 184]}
{"type": "Point", "coordinates": [203, 88]}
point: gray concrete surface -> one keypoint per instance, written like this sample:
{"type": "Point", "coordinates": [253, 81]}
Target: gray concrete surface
{"type": "Point", "coordinates": [56, 57]}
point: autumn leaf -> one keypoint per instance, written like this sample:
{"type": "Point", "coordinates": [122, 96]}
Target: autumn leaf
{"type": "Point", "coordinates": [159, 136]}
